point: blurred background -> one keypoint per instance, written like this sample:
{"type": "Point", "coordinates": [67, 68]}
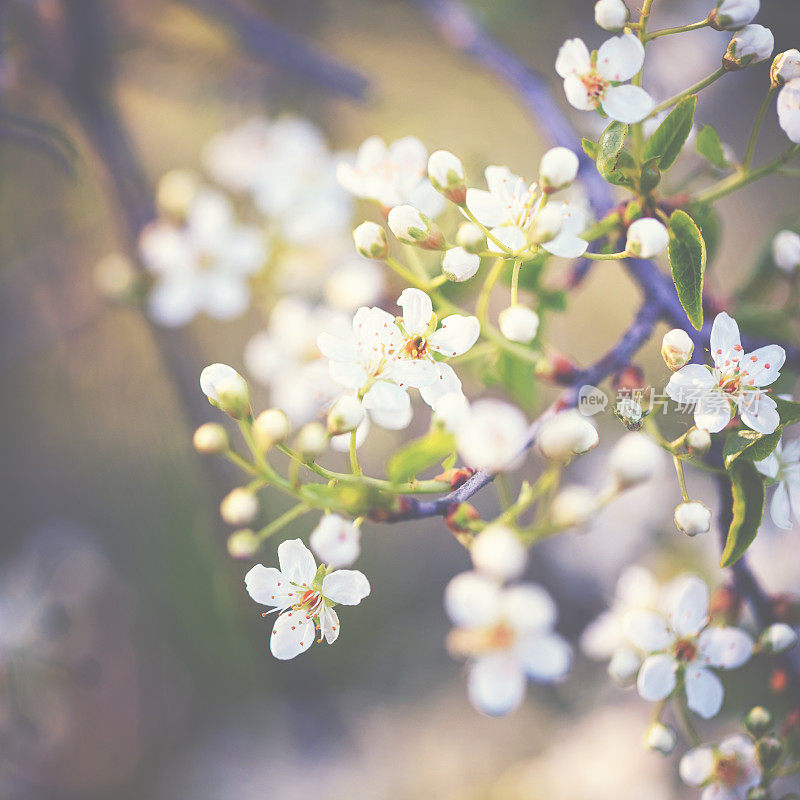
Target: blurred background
{"type": "Point", "coordinates": [132, 662]}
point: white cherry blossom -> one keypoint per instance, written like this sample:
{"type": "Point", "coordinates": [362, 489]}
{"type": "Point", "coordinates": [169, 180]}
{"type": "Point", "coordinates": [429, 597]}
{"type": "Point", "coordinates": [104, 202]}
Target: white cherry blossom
{"type": "Point", "coordinates": [336, 541]}
{"type": "Point", "coordinates": [507, 635]}
{"type": "Point", "coordinates": [491, 436]}
{"type": "Point", "coordinates": [568, 242]}
{"type": "Point", "coordinates": [392, 175]}
{"type": "Point", "coordinates": [783, 467]}
{"type": "Point", "coordinates": [682, 647]}
{"type": "Point", "coordinates": [599, 83]}
{"type": "Point", "coordinates": [726, 772]}
{"type": "Point", "coordinates": [733, 385]}
{"type": "Point", "coordinates": [304, 597]}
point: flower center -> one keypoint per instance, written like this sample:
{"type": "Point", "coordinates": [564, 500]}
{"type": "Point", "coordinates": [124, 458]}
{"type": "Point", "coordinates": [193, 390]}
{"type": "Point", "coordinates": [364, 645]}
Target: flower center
{"type": "Point", "coordinates": [417, 347]}
{"type": "Point", "coordinates": [472, 642]}
{"type": "Point", "coordinates": [728, 770]}
{"type": "Point", "coordinates": [595, 85]}
{"type": "Point", "coordinates": [685, 650]}
{"type": "Point", "coordinates": [310, 601]}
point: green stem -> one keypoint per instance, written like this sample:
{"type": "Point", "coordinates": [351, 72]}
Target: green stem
{"type": "Point", "coordinates": [686, 92]}
{"type": "Point", "coordinates": [681, 478]}
{"type": "Point", "coordinates": [515, 282]}
{"type": "Point", "coordinates": [751, 144]}
{"type": "Point", "coordinates": [354, 465]}
{"type": "Point", "coordinates": [695, 26]}
{"type": "Point", "coordinates": [482, 307]}
{"type": "Point", "coordinates": [606, 256]}
{"type": "Point", "coordinates": [684, 718]}
{"type": "Point", "coordinates": [282, 521]}
{"type": "Point", "coordinates": [487, 233]}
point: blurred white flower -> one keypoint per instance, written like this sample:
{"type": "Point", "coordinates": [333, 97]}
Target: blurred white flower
{"type": "Point", "coordinates": [727, 771]}
{"type": "Point", "coordinates": [492, 435]}
{"type": "Point", "coordinates": [789, 109]}
{"type": "Point", "coordinates": [507, 635]}
{"type": "Point", "coordinates": [497, 551]}
{"type": "Point", "coordinates": [783, 467]}
{"type": "Point", "coordinates": [336, 541]}
{"type": "Point", "coordinates": [786, 251]}
{"type": "Point", "coordinates": [304, 598]}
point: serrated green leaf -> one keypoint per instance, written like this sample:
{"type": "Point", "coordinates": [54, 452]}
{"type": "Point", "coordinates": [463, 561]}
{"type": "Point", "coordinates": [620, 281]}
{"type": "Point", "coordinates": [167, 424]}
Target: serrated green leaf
{"type": "Point", "coordinates": [420, 454]}
{"type": "Point", "coordinates": [749, 444]}
{"type": "Point", "coordinates": [788, 410]}
{"type": "Point", "coordinates": [590, 148]}
{"type": "Point", "coordinates": [747, 487]}
{"type": "Point", "coordinates": [687, 258]}
{"type": "Point", "coordinates": [670, 136]}
{"type": "Point", "coordinates": [613, 163]}
{"type": "Point", "coordinates": [709, 145]}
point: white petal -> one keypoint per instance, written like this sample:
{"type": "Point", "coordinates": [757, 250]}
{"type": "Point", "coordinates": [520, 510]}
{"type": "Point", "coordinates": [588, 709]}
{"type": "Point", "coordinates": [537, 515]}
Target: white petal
{"type": "Point", "coordinates": [386, 396]}
{"type": "Point", "coordinates": [769, 466]}
{"type": "Point", "coordinates": [292, 634]}
{"type": "Point", "coordinates": [779, 507]}
{"type": "Point", "coordinates": [764, 365]}
{"type": "Point", "coordinates": [486, 208]}
{"type": "Point", "coordinates": [348, 374]}
{"type": "Point", "coordinates": [789, 110]}
{"type": "Point", "coordinates": [335, 348]}
{"type": "Point", "coordinates": [446, 382]}
{"type": "Point", "coordinates": [529, 607]}
{"type": "Point", "coordinates": [724, 337]}
{"type": "Point", "coordinates": [425, 198]}
{"type": "Point", "coordinates": [546, 657]}
{"type": "Point", "coordinates": [689, 383]}
{"type": "Point", "coordinates": [713, 412]}
{"type": "Point", "coordinates": [620, 58]}
{"type": "Point", "coordinates": [725, 647]}
{"type": "Point", "coordinates": [346, 586]}
{"type": "Point", "coordinates": [496, 685]}
{"type": "Point", "coordinates": [409, 155]}
{"type": "Point", "coordinates": [646, 630]}
{"type": "Point", "coordinates": [510, 236]}
{"type": "Point", "coordinates": [173, 303]}
{"type": "Point", "coordinates": [637, 587]}
{"type": "Point", "coordinates": [416, 372]}
{"type": "Point", "coordinates": [455, 335]}
{"type": "Point", "coordinates": [688, 605]}
{"type": "Point", "coordinates": [602, 636]}
{"type": "Point", "coordinates": [417, 310]}
{"type": "Point", "coordinates": [336, 541]}
{"type": "Point", "coordinates": [393, 420]}
{"type": "Point", "coordinates": [329, 624]}
{"type": "Point", "coordinates": [472, 600]}
{"type": "Point", "coordinates": [656, 678]}
{"type": "Point", "coordinates": [566, 245]}
{"type": "Point", "coordinates": [760, 412]}
{"type": "Point", "coordinates": [704, 691]}
{"type": "Point", "coordinates": [577, 94]}
{"type": "Point", "coordinates": [297, 562]}
{"type": "Point", "coordinates": [573, 57]}
{"type": "Point", "coordinates": [697, 765]}
{"type": "Point", "coordinates": [268, 586]}
{"type": "Point", "coordinates": [224, 296]}
{"type": "Point", "coordinates": [627, 103]}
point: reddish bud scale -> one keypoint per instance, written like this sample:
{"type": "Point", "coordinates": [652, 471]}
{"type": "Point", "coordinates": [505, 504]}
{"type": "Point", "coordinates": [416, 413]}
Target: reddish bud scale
{"type": "Point", "coordinates": [629, 380]}
{"type": "Point", "coordinates": [558, 369]}
{"type": "Point", "coordinates": [460, 516]}
{"type": "Point", "coordinates": [455, 477]}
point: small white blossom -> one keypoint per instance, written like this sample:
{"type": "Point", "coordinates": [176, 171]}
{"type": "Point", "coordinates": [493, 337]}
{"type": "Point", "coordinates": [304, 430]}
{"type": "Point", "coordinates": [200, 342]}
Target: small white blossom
{"type": "Point", "coordinates": [786, 251]}
{"type": "Point", "coordinates": [733, 384]}
{"type": "Point", "coordinates": [789, 109]}
{"type": "Point", "coordinates": [459, 265]}
{"type": "Point", "coordinates": [451, 411]}
{"type": "Point", "coordinates": [370, 241]}
{"type": "Point", "coordinates": [558, 168]}
{"type": "Point", "coordinates": [271, 427]}
{"type": "Point", "coordinates": [778, 638]}
{"type": "Point", "coordinates": [210, 439]}
{"type": "Point", "coordinates": [676, 348]}
{"type": "Point", "coordinates": [693, 518]}
{"type": "Point", "coordinates": [497, 551]}
{"type": "Point", "coordinates": [392, 175]}
{"type": "Point", "coordinates": [239, 507]}
{"type": "Point", "coordinates": [573, 506]}
{"type": "Point", "coordinates": [727, 771]}
{"type": "Point", "coordinates": [567, 434]}
{"type": "Point", "coordinates": [346, 414]}
{"type": "Point", "coordinates": [698, 440]}
{"type": "Point", "coordinates": [507, 635]}
{"type": "Point", "coordinates": [311, 440]}
{"type": "Point", "coordinates": [411, 226]}
{"type": "Point", "coordinates": [682, 647]}
{"type": "Point", "coordinates": [661, 738]}
{"type": "Point", "coordinates": [336, 541]}
{"type": "Point", "coordinates": [732, 14]}
{"type": "Point", "coordinates": [783, 467]}
{"type": "Point", "coordinates": [599, 83]}
{"type": "Point", "coordinates": [611, 15]}
{"type": "Point", "coordinates": [304, 598]}
{"type": "Point", "coordinates": [470, 237]}
{"type": "Point", "coordinates": [493, 435]}
{"type": "Point", "coordinates": [785, 67]}
{"type": "Point", "coordinates": [226, 389]}
{"type": "Point", "coordinates": [446, 173]}
{"type": "Point", "coordinates": [634, 459]}
{"type": "Point", "coordinates": [750, 45]}
{"type": "Point", "coordinates": [567, 243]}
{"type": "Point", "coordinates": [519, 323]}
{"type": "Point", "coordinates": [647, 237]}
{"type": "Point", "coordinates": [547, 224]}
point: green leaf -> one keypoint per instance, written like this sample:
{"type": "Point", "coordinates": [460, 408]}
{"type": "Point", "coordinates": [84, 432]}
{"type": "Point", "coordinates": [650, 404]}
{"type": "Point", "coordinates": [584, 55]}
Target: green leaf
{"type": "Point", "coordinates": [708, 220]}
{"type": "Point", "coordinates": [687, 258]}
{"type": "Point", "coordinates": [590, 148]}
{"type": "Point", "coordinates": [749, 444]}
{"type": "Point", "coordinates": [747, 486]}
{"type": "Point", "coordinates": [612, 161]}
{"type": "Point", "coordinates": [788, 410]}
{"type": "Point", "coordinates": [709, 145]}
{"type": "Point", "coordinates": [670, 136]}
{"type": "Point", "coordinates": [420, 454]}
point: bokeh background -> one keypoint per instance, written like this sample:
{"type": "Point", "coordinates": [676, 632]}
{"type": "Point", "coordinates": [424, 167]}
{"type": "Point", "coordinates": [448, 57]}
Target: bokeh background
{"type": "Point", "coordinates": [132, 662]}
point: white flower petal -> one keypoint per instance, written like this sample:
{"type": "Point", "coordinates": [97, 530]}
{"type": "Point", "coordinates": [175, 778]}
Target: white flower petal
{"type": "Point", "coordinates": [455, 336]}
{"type": "Point", "coordinates": [336, 349]}
{"type": "Point", "coordinates": [602, 636]}
{"type": "Point", "coordinates": [417, 310]}
{"type": "Point", "coordinates": [627, 103]}
{"type": "Point", "coordinates": [496, 684]}
{"type": "Point", "coordinates": [348, 374]}
{"type": "Point", "coordinates": [760, 413]}
{"type": "Point", "coordinates": [485, 207]}
{"type": "Point", "coordinates": [577, 94]}
{"type": "Point", "coordinates": [529, 607]}
{"type": "Point", "coordinates": [713, 412]}
{"type": "Point", "coordinates": [415, 372]}
{"type": "Point", "coordinates": [510, 236]}
{"type": "Point", "coordinates": [779, 507]}
{"type": "Point", "coordinates": [292, 634]}
{"type": "Point", "coordinates": [386, 396]}
{"type": "Point", "coordinates": [725, 647]}
{"type": "Point", "coordinates": [789, 109]}
{"type": "Point", "coordinates": [393, 420]}
{"type": "Point", "coordinates": [620, 58]}
{"type": "Point", "coordinates": [446, 382]}
{"type": "Point", "coordinates": [769, 466]}
{"type": "Point", "coordinates": [646, 630]}
{"type": "Point", "coordinates": [346, 586]}
{"type": "Point", "coordinates": [764, 365]}
{"type": "Point", "coordinates": [173, 303]}
{"type": "Point", "coordinates": [689, 383]}
{"type": "Point", "coordinates": [268, 586]}
{"type": "Point", "coordinates": [336, 541]}
{"type": "Point", "coordinates": [546, 657]}
{"type": "Point", "coordinates": [724, 337]}
{"type": "Point", "coordinates": [297, 562]}
{"type": "Point", "coordinates": [656, 678]}
{"type": "Point", "coordinates": [688, 605]}
{"type": "Point", "coordinates": [573, 57]}
{"type": "Point", "coordinates": [697, 766]}
{"type": "Point", "coordinates": [704, 691]}
{"type": "Point", "coordinates": [329, 624]}
{"type": "Point", "coordinates": [472, 600]}
{"type": "Point", "coordinates": [224, 297]}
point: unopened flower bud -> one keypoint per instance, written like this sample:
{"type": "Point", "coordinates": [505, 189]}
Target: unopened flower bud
{"type": "Point", "coordinates": [210, 439]}
{"type": "Point", "coordinates": [459, 265]}
{"type": "Point", "coordinates": [546, 224]}
{"type": "Point", "coordinates": [758, 721]}
{"type": "Point", "coordinates": [647, 237]}
{"type": "Point", "coordinates": [778, 638]}
{"type": "Point", "coordinates": [175, 192]}
{"type": "Point", "coordinates": [226, 390]}
{"type": "Point", "coordinates": [311, 441]}
{"type": "Point", "coordinates": [698, 441]}
{"type": "Point", "coordinates": [239, 507]}
{"type": "Point", "coordinates": [270, 427]}
{"type": "Point", "coordinates": [567, 434]}
{"type": "Point", "coordinates": [471, 237]}
{"type": "Point", "coordinates": [497, 551]}
{"type": "Point", "coordinates": [519, 323]}
{"type": "Point", "coordinates": [634, 459]}
{"type": "Point", "coordinates": [573, 506]}
{"type": "Point", "coordinates": [611, 15]}
{"type": "Point", "coordinates": [558, 167]}
{"type": "Point", "coordinates": [370, 239]}
{"type": "Point", "coordinates": [693, 518]}
{"type": "Point", "coordinates": [786, 251]}
{"type": "Point", "coordinates": [446, 173]}
{"type": "Point", "coordinates": [661, 738]}
{"type": "Point", "coordinates": [411, 226]}
{"type": "Point", "coordinates": [732, 14]}
{"type": "Point", "coordinates": [243, 544]}
{"type": "Point", "coordinates": [345, 415]}
{"type": "Point", "coordinates": [676, 348]}
{"type": "Point", "coordinates": [624, 665]}
{"type": "Point", "coordinates": [785, 68]}
{"type": "Point", "coordinates": [115, 277]}
{"type": "Point", "coordinates": [336, 541]}
{"type": "Point", "coordinates": [769, 750]}
{"type": "Point", "coordinates": [748, 46]}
